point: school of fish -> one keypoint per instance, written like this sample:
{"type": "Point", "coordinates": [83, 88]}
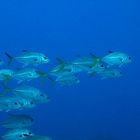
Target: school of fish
{"type": "Point", "coordinates": [65, 73]}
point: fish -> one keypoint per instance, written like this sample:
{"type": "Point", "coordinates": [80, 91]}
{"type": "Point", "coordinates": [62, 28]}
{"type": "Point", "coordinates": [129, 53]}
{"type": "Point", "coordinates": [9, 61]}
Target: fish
{"type": "Point", "coordinates": [25, 103]}
{"type": "Point", "coordinates": [17, 121]}
{"type": "Point", "coordinates": [6, 74]}
{"type": "Point", "coordinates": [28, 74]}
{"type": "Point", "coordinates": [87, 61]}
{"type": "Point", "coordinates": [29, 58]}
{"type": "Point", "coordinates": [67, 80]}
{"type": "Point", "coordinates": [65, 69]}
{"type": "Point", "coordinates": [116, 59]}
{"type": "Point", "coordinates": [37, 137]}
{"type": "Point", "coordinates": [9, 103]}
{"type": "Point", "coordinates": [110, 73]}
{"type": "Point", "coordinates": [17, 134]}
{"type": "Point", "coordinates": [32, 93]}
{"type": "Point", "coordinates": [96, 69]}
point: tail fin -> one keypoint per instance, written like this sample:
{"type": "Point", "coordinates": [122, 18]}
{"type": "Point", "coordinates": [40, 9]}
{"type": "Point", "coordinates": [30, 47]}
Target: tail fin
{"type": "Point", "coordinates": [6, 88]}
{"type": "Point", "coordinates": [43, 75]}
{"type": "Point", "coordinates": [96, 59]}
{"type": "Point", "coordinates": [10, 58]}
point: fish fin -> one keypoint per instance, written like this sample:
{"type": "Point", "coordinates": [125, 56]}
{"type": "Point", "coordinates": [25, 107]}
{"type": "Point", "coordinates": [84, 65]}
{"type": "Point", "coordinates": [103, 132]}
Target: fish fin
{"type": "Point", "coordinates": [43, 75]}
{"type": "Point", "coordinates": [96, 59]}
{"type": "Point", "coordinates": [110, 51]}
{"type": "Point", "coordinates": [51, 79]}
{"type": "Point", "coordinates": [60, 61]}
{"type": "Point", "coordinates": [10, 58]}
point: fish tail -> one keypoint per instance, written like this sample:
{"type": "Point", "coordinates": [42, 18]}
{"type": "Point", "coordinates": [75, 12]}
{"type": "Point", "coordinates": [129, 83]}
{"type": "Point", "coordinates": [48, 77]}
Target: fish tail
{"type": "Point", "coordinates": [10, 58]}
{"type": "Point", "coordinates": [6, 88]}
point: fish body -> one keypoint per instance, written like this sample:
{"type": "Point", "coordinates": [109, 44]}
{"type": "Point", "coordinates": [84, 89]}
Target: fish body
{"type": "Point", "coordinates": [6, 74]}
{"type": "Point", "coordinates": [9, 103]}
{"type": "Point", "coordinates": [99, 68]}
{"type": "Point", "coordinates": [86, 61]}
{"type": "Point", "coordinates": [27, 74]}
{"type": "Point", "coordinates": [31, 93]}
{"type": "Point", "coordinates": [67, 80]}
{"type": "Point", "coordinates": [17, 121]}
{"type": "Point", "coordinates": [117, 59]}
{"type": "Point", "coordinates": [17, 134]}
{"type": "Point", "coordinates": [110, 73]}
{"type": "Point", "coordinates": [29, 58]}
{"type": "Point", "coordinates": [26, 103]}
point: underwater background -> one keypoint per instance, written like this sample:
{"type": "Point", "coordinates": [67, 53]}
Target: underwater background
{"type": "Point", "coordinates": [95, 109]}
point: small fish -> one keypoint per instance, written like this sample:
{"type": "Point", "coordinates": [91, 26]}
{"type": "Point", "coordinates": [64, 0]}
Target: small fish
{"type": "Point", "coordinates": [6, 74]}
{"type": "Point", "coordinates": [67, 80]}
{"type": "Point", "coordinates": [37, 137]}
{"type": "Point", "coordinates": [87, 61]}
{"type": "Point", "coordinates": [8, 103]}
{"type": "Point", "coordinates": [29, 58]}
{"type": "Point", "coordinates": [31, 93]}
{"type": "Point", "coordinates": [96, 69]}
{"type": "Point", "coordinates": [28, 74]}
{"type": "Point", "coordinates": [65, 69]}
{"type": "Point", "coordinates": [110, 73]}
{"type": "Point", "coordinates": [17, 134]}
{"type": "Point", "coordinates": [25, 103]}
{"type": "Point", "coordinates": [117, 59]}
{"type": "Point", "coordinates": [17, 121]}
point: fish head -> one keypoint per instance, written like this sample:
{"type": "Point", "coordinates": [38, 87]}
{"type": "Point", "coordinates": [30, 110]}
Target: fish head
{"type": "Point", "coordinates": [27, 103]}
{"type": "Point", "coordinates": [116, 73]}
{"type": "Point", "coordinates": [45, 59]}
{"type": "Point", "coordinates": [127, 59]}
{"type": "Point", "coordinates": [43, 98]}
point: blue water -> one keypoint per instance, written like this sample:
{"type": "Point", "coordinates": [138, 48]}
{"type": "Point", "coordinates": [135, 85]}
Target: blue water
{"type": "Point", "coordinates": [95, 109]}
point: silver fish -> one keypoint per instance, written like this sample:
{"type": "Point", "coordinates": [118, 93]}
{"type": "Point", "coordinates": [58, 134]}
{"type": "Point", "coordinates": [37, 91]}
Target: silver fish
{"type": "Point", "coordinates": [31, 93]}
{"type": "Point", "coordinates": [17, 134]}
{"type": "Point", "coordinates": [17, 121]}
{"type": "Point", "coordinates": [29, 58]}
{"type": "Point", "coordinates": [117, 59]}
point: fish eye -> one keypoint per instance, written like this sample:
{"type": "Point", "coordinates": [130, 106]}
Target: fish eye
{"type": "Point", "coordinates": [102, 65]}
{"type": "Point", "coordinates": [35, 59]}
{"type": "Point", "coordinates": [69, 70]}
{"type": "Point", "coordinates": [90, 67]}
{"type": "Point", "coordinates": [30, 133]}
{"type": "Point", "coordinates": [45, 57]}
{"type": "Point", "coordinates": [31, 103]}
{"type": "Point", "coordinates": [121, 59]}
{"type": "Point", "coordinates": [26, 135]}
{"type": "Point", "coordinates": [15, 103]}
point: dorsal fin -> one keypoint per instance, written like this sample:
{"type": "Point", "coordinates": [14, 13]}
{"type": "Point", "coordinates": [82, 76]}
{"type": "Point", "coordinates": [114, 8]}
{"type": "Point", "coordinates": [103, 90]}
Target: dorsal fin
{"type": "Point", "coordinates": [60, 61]}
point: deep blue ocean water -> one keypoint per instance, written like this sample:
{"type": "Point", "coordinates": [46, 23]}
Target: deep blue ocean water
{"type": "Point", "coordinates": [95, 109]}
